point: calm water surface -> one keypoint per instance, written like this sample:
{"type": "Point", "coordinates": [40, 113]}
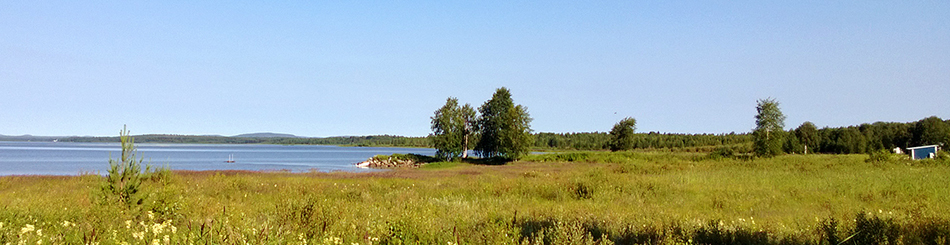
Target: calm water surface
{"type": "Point", "coordinates": [61, 158]}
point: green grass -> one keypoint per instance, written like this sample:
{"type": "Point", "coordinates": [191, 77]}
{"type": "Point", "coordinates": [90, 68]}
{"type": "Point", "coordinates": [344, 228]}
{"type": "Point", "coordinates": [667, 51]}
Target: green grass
{"type": "Point", "coordinates": [442, 165]}
{"type": "Point", "coordinates": [573, 198]}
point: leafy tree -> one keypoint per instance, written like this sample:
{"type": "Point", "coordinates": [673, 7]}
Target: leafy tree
{"type": "Point", "coordinates": [504, 128]}
{"type": "Point", "coordinates": [807, 135]}
{"type": "Point", "coordinates": [931, 131]}
{"type": "Point", "coordinates": [769, 124]}
{"type": "Point", "coordinates": [792, 144]}
{"type": "Point", "coordinates": [621, 136]}
{"type": "Point", "coordinates": [469, 121]}
{"type": "Point", "coordinates": [451, 129]}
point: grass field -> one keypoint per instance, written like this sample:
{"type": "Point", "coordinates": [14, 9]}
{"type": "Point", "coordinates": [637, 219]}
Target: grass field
{"type": "Point", "coordinates": [567, 198]}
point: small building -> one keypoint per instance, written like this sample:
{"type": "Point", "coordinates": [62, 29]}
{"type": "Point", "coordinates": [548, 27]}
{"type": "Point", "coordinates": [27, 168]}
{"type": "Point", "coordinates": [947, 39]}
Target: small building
{"type": "Point", "coordinates": [923, 152]}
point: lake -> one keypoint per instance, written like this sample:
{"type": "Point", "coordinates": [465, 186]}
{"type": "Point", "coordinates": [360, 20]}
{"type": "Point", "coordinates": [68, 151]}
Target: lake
{"type": "Point", "coordinates": [65, 158]}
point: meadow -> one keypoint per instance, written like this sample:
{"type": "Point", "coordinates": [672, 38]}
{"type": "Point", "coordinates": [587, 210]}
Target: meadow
{"type": "Point", "coordinates": [564, 198]}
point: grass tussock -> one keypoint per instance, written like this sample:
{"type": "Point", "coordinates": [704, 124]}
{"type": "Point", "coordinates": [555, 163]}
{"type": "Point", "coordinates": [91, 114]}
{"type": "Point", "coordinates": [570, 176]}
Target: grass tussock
{"type": "Point", "coordinates": [573, 198]}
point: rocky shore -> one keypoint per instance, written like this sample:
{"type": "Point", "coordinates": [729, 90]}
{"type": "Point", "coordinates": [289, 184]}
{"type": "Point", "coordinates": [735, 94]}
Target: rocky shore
{"type": "Point", "coordinates": [395, 161]}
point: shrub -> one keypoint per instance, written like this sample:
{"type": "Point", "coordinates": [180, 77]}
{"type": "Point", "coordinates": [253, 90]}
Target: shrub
{"type": "Point", "coordinates": [722, 152]}
{"type": "Point", "coordinates": [879, 156]}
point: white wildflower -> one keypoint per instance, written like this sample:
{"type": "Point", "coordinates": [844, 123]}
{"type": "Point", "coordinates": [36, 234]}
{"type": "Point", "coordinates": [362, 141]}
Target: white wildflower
{"type": "Point", "coordinates": [39, 232]}
{"type": "Point", "coordinates": [158, 228]}
{"type": "Point", "coordinates": [128, 224]}
{"type": "Point", "coordinates": [27, 228]}
{"type": "Point", "coordinates": [151, 215]}
{"type": "Point", "coordinates": [139, 235]}
{"type": "Point", "coordinates": [156, 242]}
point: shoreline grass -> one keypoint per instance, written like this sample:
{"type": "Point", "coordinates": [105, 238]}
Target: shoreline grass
{"type": "Point", "coordinates": [585, 198]}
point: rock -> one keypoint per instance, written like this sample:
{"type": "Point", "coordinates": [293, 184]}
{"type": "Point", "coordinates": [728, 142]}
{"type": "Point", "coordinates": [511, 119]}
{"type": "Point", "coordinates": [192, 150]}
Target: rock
{"type": "Point", "coordinates": [389, 162]}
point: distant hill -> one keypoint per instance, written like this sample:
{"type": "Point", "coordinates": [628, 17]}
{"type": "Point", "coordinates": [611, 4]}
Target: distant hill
{"type": "Point", "coordinates": [27, 137]}
{"type": "Point", "coordinates": [266, 135]}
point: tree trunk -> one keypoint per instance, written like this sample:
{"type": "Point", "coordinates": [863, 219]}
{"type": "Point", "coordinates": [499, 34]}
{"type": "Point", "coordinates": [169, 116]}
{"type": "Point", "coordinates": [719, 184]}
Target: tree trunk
{"type": "Point", "coordinates": [465, 147]}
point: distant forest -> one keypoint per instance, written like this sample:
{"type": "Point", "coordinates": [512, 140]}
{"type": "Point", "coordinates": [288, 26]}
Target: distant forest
{"type": "Point", "coordinates": [375, 140]}
{"type": "Point", "coordinates": [859, 139]}
{"type": "Point", "coordinates": [866, 138]}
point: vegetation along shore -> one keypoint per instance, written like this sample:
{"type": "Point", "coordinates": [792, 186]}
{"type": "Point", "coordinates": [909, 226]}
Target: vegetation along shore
{"type": "Point", "coordinates": [567, 198]}
{"type": "Point", "coordinates": [764, 187]}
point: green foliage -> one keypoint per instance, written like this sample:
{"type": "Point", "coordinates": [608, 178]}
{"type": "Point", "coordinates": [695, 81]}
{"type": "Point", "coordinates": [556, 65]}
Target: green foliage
{"type": "Point", "coordinates": [867, 138]}
{"type": "Point", "coordinates": [124, 180]}
{"type": "Point", "coordinates": [931, 131]}
{"type": "Point", "coordinates": [723, 152]}
{"type": "Point", "coordinates": [622, 134]}
{"type": "Point", "coordinates": [808, 137]}
{"type": "Point", "coordinates": [769, 128]}
{"type": "Point", "coordinates": [885, 156]}
{"type": "Point", "coordinates": [449, 130]}
{"type": "Point", "coordinates": [792, 143]}
{"type": "Point", "coordinates": [651, 140]}
{"type": "Point", "coordinates": [504, 128]}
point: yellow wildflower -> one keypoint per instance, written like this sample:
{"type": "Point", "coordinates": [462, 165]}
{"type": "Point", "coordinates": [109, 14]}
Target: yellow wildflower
{"type": "Point", "coordinates": [156, 242]}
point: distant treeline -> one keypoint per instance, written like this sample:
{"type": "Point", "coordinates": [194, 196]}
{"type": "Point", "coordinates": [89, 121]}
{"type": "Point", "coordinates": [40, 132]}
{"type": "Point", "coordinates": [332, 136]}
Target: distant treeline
{"type": "Point", "coordinates": [858, 139]}
{"type": "Point", "coordinates": [651, 140]}
{"type": "Point", "coordinates": [374, 140]}
{"type": "Point", "coordinates": [870, 137]}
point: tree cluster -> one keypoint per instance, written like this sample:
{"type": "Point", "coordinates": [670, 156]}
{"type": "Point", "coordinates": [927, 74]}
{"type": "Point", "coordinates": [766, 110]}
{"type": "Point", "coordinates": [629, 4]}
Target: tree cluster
{"type": "Point", "coordinates": [650, 140]}
{"type": "Point", "coordinates": [869, 137]}
{"type": "Point", "coordinates": [771, 139]}
{"type": "Point", "coordinates": [502, 128]}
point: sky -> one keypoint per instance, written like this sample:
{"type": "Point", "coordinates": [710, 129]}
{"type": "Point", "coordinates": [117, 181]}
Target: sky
{"type": "Point", "coordinates": [328, 68]}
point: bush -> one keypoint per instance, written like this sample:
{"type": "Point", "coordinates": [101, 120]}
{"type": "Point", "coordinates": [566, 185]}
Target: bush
{"type": "Point", "coordinates": [879, 156]}
{"type": "Point", "coordinates": [722, 152]}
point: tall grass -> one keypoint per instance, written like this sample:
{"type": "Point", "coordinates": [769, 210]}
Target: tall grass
{"type": "Point", "coordinates": [584, 198]}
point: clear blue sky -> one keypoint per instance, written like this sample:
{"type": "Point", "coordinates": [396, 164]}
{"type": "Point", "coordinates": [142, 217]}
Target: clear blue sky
{"type": "Point", "coordinates": [364, 68]}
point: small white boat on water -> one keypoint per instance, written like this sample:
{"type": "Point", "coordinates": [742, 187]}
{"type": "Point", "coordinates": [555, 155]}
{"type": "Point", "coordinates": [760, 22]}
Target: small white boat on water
{"type": "Point", "coordinates": [230, 158]}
